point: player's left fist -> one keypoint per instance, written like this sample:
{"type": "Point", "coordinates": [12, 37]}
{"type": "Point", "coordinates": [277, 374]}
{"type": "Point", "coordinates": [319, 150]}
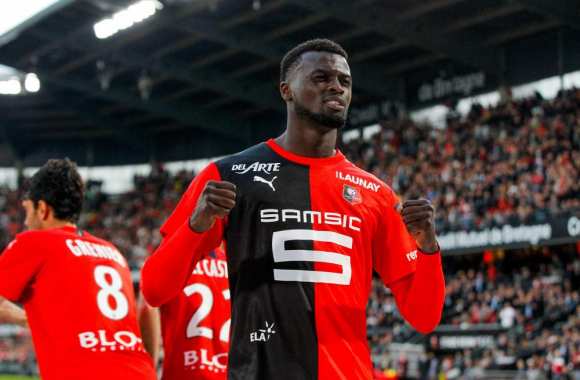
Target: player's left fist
{"type": "Point", "coordinates": [419, 217]}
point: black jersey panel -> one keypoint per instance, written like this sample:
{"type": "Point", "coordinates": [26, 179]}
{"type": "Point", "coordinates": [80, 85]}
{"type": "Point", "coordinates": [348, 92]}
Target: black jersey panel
{"type": "Point", "coordinates": [273, 333]}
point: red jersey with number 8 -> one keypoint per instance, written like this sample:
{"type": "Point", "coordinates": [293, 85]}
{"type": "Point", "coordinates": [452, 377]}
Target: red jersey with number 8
{"type": "Point", "coordinates": [79, 299]}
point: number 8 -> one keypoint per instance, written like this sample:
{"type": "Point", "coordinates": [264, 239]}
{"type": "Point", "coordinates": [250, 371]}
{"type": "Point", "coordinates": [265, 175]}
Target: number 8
{"type": "Point", "coordinates": [112, 289]}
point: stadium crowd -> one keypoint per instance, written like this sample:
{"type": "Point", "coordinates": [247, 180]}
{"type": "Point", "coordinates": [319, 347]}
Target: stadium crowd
{"type": "Point", "coordinates": [533, 301]}
{"type": "Point", "coordinates": [516, 162]}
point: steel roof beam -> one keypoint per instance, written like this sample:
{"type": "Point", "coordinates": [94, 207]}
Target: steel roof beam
{"type": "Point", "coordinates": [521, 32]}
{"type": "Point", "coordinates": [566, 12]}
{"type": "Point", "coordinates": [427, 7]}
{"type": "Point", "coordinates": [484, 16]}
{"type": "Point", "coordinates": [464, 48]}
{"type": "Point", "coordinates": [189, 116]}
{"type": "Point", "coordinates": [264, 95]}
{"type": "Point", "coordinates": [161, 20]}
{"type": "Point", "coordinates": [366, 75]}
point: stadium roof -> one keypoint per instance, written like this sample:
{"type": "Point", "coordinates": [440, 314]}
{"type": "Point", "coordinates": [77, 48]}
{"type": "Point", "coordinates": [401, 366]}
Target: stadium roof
{"type": "Point", "coordinates": [199, 78]}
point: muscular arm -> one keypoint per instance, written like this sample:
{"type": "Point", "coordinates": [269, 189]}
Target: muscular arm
{"type": "Point", "coordinates": [166, 271]}
{"type": "Point", "coordinates": [420, 296]}
{"type": "Point", "coordinates": [201, 209]}
{"type": "Point", "coordinates": [10, 313]}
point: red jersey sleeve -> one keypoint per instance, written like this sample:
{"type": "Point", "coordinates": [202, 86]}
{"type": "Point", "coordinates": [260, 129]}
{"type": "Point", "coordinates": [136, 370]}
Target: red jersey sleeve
{"type": "Point", "coordinates": [166, 271]}
{"type": "Point", "coordinates": [188, 201]}
{"type": "Point", "coordinates": [415, 279]}
{"type": "Point", "coordinates": [394, 249]}
{"type": "Point", "coordinates": [19, 263]}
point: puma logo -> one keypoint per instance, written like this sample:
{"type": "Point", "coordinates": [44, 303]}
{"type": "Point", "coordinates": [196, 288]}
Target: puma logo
{"type": "Point", "coordinates": [269, 183]}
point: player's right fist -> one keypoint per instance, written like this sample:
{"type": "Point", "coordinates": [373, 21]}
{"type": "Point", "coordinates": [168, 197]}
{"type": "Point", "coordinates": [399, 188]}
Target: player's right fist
{"type": "Point", "coordinates": [216, 201]}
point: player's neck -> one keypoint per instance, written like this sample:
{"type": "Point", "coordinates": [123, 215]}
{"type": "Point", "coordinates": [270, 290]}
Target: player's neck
{"type": "Point", "coordinates": [305, 139]}
{"type": "Point", "coordinates": [56, 223]}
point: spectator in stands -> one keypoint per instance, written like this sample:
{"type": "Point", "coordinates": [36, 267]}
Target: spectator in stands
{"type": "Point", "coordinates": [507, 315]}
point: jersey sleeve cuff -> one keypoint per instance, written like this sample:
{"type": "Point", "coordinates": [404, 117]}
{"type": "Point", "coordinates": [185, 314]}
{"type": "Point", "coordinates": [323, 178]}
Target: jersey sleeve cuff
{"type": "Point", "coordinates": [430, 253]}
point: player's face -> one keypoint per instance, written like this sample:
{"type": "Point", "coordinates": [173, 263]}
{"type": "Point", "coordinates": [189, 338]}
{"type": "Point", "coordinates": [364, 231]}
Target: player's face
{"type": "Point", "coordinates": [321, 88]}
{"type": "Point", "coordinates": [33, 215]}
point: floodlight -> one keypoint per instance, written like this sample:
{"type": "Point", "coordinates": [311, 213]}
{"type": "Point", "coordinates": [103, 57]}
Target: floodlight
{"type": "Point", "coordinates": [126, 18]}
{"type": "Point", "coordinates": [31, 82]}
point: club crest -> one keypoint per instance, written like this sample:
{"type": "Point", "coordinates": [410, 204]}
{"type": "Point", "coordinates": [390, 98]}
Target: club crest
{"type": "Point", "coordinates": [351, 194]}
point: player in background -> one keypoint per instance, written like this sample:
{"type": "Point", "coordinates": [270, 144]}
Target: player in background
{"type": "Point", "coordinates": [76, 289]}
{"type": "Point", "coordinates": [196, 323]}
{"type": "Point", "coordinates": [150, 325]}
{"type": "Point", "coordinates": [304, 229]}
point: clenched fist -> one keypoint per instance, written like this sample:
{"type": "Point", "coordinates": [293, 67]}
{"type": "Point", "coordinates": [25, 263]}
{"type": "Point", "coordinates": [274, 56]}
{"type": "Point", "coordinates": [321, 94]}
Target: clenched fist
{"type": "Point", "coordinates": [418, 216]}
{"type": "Point", "coordinates": [215, 201]}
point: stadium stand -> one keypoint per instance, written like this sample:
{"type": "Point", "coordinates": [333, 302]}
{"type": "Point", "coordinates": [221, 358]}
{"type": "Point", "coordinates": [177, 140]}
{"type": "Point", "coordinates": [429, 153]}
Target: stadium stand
{"type": "Point", "coordinates": [529, 302]}
{"type": "Point", "coordinates": [192, 79]}
{"type": "Point", "coordinates": [516, 162]}
{"type": "Point", "coordinates": [513, 163]}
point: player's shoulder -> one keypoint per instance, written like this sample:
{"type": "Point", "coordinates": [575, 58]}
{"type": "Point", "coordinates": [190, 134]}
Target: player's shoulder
{"type": "Point", "coordinates": [35, 235]}
{"type": "Point", "coordinates": [85, 235]}
{"type": "Point", "coordinates": [22, 239]}
{"type": "Point", "coordinates": [254, 153]}
{"type": "Point", "coordinates": [33, 239]}
{"type": "Point", "coordinates": [256, 158]}
{"type": "Point", "coordinates": [349, 172]}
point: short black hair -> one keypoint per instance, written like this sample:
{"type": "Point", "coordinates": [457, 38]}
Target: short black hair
{"type": "Point", "coordinates": [292, 57]}
{"type": "Point", "coordinates": [60, 185]}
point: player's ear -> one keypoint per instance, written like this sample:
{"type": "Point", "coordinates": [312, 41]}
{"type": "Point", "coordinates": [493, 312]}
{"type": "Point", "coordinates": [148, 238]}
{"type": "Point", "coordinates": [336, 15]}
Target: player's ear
{"type": "Point", "coordinates": [285, 91]}
{"type": "Point", "coordinates": [43, 210]}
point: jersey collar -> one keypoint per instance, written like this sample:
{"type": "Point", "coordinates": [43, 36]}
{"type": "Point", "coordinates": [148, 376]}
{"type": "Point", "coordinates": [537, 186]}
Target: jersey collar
{"type": "Point", "coordinates": [303, 160]}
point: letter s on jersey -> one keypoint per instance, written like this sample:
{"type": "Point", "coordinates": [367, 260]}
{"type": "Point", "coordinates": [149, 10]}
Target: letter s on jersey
{"type": "Point", "coordinates": [281, 254]}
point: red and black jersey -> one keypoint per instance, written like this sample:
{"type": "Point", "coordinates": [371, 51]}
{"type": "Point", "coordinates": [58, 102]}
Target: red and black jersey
{"type": "Point", "coordinates": [302, 243]}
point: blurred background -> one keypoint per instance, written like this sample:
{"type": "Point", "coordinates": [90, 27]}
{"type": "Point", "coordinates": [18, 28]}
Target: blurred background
{"type": "Point", "coordinates": [474, 104]}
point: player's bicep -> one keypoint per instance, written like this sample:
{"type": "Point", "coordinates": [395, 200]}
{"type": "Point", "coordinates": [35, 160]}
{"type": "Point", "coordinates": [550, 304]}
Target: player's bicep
{"type": "Point", "coordinates": [189, 200]}
{"type": "Point", "coordinates": [19, 264]}
{"type": "Point", "coordinates": [394, 250]}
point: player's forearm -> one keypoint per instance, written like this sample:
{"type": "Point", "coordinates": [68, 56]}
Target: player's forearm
{"type": "Point", "coordinates": [10, 313]}
{"type": "Point", "coordinates": [150, 324]}
{"type": "Point", "coordinates": [166, 271]}
{"type": "Point", "coordinates": [420, 297]}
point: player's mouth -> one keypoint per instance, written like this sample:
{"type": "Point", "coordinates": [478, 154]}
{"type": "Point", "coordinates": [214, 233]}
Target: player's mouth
{"type": "Point", "coordinates": [335, 103]}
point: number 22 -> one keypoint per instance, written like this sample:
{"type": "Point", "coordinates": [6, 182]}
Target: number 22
{"type": "Point", "coordinates": [193, 328]}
